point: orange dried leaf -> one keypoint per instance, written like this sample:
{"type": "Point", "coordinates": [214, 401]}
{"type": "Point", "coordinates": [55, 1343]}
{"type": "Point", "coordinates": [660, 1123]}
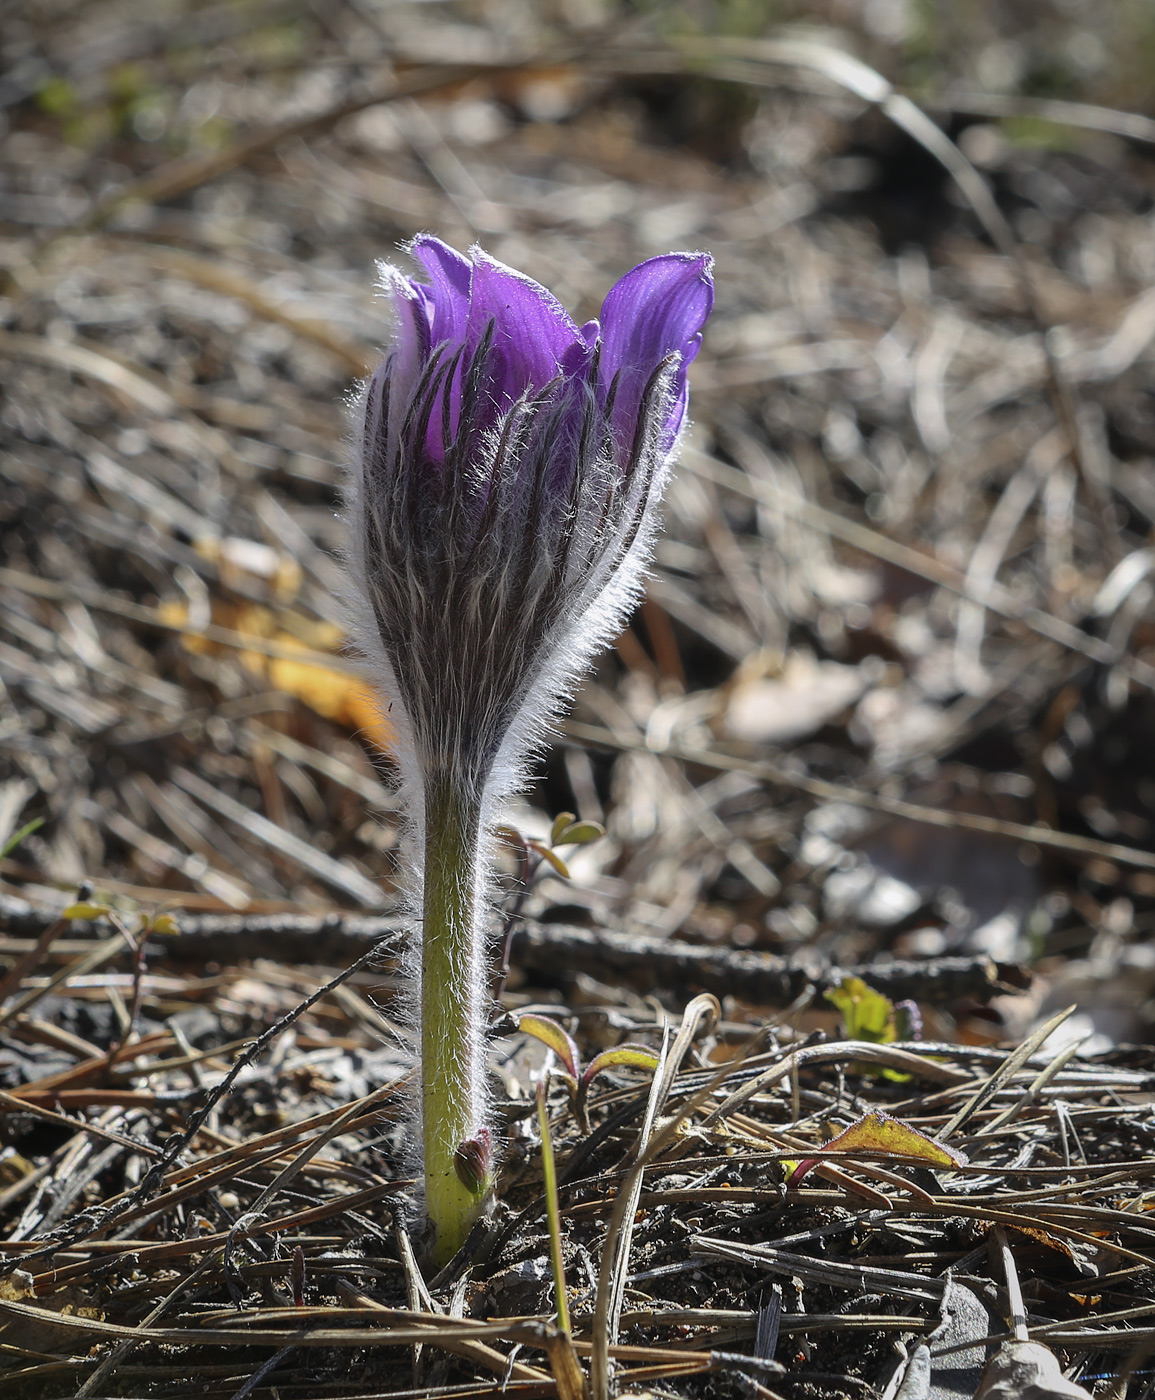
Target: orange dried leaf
{"type": "Point", "coordinates": [1037, 1236]}
{"type": "Point", "coordinates": [364, 711]}
{"type": "Point", "coordinates": [332, 694]}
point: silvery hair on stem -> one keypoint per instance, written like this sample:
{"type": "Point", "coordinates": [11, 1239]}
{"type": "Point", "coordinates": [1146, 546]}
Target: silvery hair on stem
{"type": "Point", "coordinates": [501, 509]}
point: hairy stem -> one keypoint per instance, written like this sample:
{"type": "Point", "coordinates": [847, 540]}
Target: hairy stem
{"type": "Point", "coordinates": [453, 1016]}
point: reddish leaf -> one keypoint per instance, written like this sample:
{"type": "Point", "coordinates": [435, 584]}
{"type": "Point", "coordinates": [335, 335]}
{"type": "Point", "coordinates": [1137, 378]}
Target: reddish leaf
{"type": "Point", "coordinates": [878, 1133]}
{"type": "Point", "coordinates": [632, 1056]}
{"type": "Point", "coordinates": [556, 1037]}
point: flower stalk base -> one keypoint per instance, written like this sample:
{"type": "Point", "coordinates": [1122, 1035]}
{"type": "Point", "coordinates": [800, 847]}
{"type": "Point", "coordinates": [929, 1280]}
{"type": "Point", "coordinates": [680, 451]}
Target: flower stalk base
{"type": "Point", "coordinates": [453, 1018]}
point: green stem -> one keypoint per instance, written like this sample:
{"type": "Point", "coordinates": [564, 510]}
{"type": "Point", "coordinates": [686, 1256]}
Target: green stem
{"type": "Point", "coordinates": [453, 1017]}
{"type": "Point", "coordinates": [552, 1209]}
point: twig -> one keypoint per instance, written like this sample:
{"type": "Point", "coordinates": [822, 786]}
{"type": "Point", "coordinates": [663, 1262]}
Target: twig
{"type": "Point", "coordinates": [1132, 126]}
{"type": "Point", "coordinates": [854, 76]}
{"type": "Point", "coordinates": [18, 1105]}
{"type": "Point", "coordinates": [761, 977]}
{"type": "Point", "coordinates": [31, 959]}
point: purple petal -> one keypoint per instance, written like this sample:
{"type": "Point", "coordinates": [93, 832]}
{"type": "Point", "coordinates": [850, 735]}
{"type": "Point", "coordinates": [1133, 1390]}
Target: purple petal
{"type": "Point", "coordinates": [660, 306]}
{"type": "Point", "coordinates": [414, 316]}
{"type": "Point", "coordinates": [449, 274]}
{"type": "Point", "coordinates": [532, 331]}
{"type": "Point", "coordinates": [656, 310]}
{"type": "Point", "coordinates": [577, 358]}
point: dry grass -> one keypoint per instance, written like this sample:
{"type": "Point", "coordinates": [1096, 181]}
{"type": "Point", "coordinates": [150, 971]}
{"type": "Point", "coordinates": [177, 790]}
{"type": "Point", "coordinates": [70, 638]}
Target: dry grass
{"type": "Point", "coordinates": [886, 707]}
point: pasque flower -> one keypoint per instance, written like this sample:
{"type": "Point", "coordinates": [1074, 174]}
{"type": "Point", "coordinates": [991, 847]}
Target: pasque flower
{"type": "Point", "coordinates": [502, 508]}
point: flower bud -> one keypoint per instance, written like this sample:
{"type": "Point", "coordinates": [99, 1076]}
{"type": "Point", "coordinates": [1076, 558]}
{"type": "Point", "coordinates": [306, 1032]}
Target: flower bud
{"type": "Point", "coordinates": [502, 506]}
{"type": "Point", "coordinates": [503, 498]}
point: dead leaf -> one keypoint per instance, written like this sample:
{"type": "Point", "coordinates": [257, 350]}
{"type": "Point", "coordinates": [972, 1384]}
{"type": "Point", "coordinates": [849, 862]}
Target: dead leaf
{"type": "Point", "coordinates": [243, 561]}
{"type": "Point", "coordinates": [1027, 1371]}
{"type": "Point", "coordinates": [333, 694]}
{"type": "Point", "coordinates": [878, 1132]}
{"type": "Point", "coordinates": [805, 696]}
{"type": "Point", "coordinates": [955, 1375]}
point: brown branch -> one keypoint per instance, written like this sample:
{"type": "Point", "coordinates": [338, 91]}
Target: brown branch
{"type": "Point", "coordinates": [340, 938]}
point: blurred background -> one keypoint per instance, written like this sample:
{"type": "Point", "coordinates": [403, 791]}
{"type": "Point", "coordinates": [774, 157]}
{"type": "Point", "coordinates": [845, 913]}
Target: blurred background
{"type": "Point", "coordinates": [908, 556]}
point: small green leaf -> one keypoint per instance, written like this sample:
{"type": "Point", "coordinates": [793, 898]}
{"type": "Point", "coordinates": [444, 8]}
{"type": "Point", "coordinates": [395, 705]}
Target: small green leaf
{"type": "Point", "coordinates": [626, 1056]}
{"type": "Point", "coordinates": [163, 924]}
{"type": "Point", "coordinates": [579, 834]}
{"type": "Point", "coordinates": [556, 1037]}
{"type": "Point", "coordinates": [57, 97]}
{"type": "Point", "coordinates": [17, 836]}
{"type": "Point", "coordinates": [630, 1056]}
{"type": "Point", "coordinates": [551, 856]}
{"type": "Point", "coordinates": [85, 909]}
{"type": "Point", "coordinates": [867, 1014]}
{"type": "Point", "coordinates": [560, 822]}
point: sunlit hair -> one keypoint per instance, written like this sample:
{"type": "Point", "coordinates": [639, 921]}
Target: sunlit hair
{"type": "Point", "coordinates": [502, 508]}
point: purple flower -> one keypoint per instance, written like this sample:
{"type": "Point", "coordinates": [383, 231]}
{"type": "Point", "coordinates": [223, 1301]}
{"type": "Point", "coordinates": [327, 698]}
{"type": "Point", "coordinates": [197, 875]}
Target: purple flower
{"type": "Point", "coordinates": [502, 505]}
{"type": "Point", "coordinates": [501, 510]}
